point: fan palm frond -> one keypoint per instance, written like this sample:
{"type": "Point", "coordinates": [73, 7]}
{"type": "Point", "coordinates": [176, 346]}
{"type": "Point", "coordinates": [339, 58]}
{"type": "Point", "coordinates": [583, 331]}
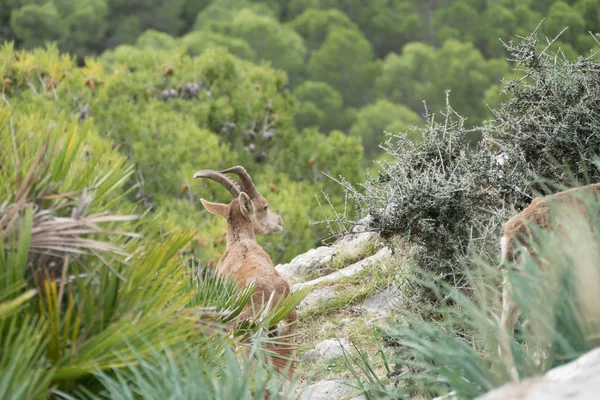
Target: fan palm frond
{"type": "Point", "coordinates": [188, 375]}
{"type": "Point", "coordinates": [23, 372]}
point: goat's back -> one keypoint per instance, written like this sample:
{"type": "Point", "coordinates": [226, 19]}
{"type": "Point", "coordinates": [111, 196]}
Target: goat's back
{"type": "Point", "coordinates": [247, 262]}
{"type": "Point", "coordinates": [541, 214]}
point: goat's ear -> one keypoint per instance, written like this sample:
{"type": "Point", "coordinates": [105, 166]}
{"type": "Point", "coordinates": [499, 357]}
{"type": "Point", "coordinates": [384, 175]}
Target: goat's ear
{"type": "Point", "coordinates": [216, 208]}
{"type": "Point", "coordinates": [246, 205]}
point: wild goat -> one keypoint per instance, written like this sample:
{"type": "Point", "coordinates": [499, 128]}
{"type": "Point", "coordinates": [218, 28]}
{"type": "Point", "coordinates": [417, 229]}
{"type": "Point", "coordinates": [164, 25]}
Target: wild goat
{"type": "Point", "coordinates": [542, 214]}
{"type": "Point", "coordinates": [247, 215]}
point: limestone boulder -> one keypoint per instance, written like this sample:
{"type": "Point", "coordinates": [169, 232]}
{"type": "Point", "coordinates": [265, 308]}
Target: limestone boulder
{"type": "Point", "coordinates": [348, 271]}
{"type": "Point", "coordinates": [327, 350]}
{"type": "Point", "coordinates": [577, 380]}
{"type": "Point", "coordinates": [326, 390]}
{"type": "Point", "coordinates": [301, 265]}
{"type": "Point", "coordinates": [315, 297]}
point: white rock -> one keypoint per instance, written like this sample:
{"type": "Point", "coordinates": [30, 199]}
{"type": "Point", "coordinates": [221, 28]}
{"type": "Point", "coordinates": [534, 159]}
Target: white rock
{"type": "Point", "coordinates": [355, 241]}
{"type": "Point", "coordinates": [315, 297]}
{"type": "Point", "coordinates": [316, 258]}
{"type": "Point", "coordinates": [577, 380]}
{"type": "Point", "coordinates": [302, 264]}
{"type": "Point", "coordinates": [348, 271]}
{"type": "Point", "coordinates": [326, 390]}
{"type": "Point", "coordinates": [447, 396]}
{"type": "Point", "coordinates": [381, 302]}
{"type": "Point", "coordinates": [327, 350]}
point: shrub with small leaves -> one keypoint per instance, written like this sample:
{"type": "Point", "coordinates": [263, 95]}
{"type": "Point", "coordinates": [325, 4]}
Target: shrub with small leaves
{"type": "Point", "coordinates": [551, 120]}
{"type": "Point", "coordinates": [441, 194]}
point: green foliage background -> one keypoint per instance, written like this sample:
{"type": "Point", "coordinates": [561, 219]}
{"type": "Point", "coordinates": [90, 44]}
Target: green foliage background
{"type": "Point", "coordinates": [272, 81]}
{"type": "Point", "coordinates": [168, 139]}
{"type": "Point", "coordinates": [340, 57]}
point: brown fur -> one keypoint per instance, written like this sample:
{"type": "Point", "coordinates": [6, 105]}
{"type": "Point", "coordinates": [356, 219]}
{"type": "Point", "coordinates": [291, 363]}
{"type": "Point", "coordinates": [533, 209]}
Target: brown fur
{"type": "Point", "coordinates": [519, 235]}
{"type": "Point", "coordinates": [247, 262]}
{"type": "Point", "coordinates": [518, 227]}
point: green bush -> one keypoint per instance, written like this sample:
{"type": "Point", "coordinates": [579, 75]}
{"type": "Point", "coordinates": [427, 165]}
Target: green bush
{"type": "Point", "coordinates": [549, 125]}
{"type": "Point", "coordinates": [318, 105]}
{"type": "Point", "coordinates": [155, 40]}
{"type": "Point", "coordinates": [196, 42]}
{"type": "Point", "coordinates": [449, 198]}
{"type": "Point", "coordinates": [314, 25]}
{"type": "Point", "coordinates": [375, 120]}
{"type": "Point", "coordinates": [345, 61]}
{"type": "Point", "coordinates": [271, 41]}
{"type": "Point", "coordinates": [423, 73]}
{"type": "Point", "coordinates": [438, 193]}
{"type": "Point", "coordinates": [217, 16]}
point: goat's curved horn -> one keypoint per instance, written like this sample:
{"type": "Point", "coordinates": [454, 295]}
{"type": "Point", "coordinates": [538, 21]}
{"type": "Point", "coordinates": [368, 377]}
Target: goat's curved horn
{"type": "Point", "coordinates": [246, 183]}
{"type": "Point", "coordinates": [219, 177]}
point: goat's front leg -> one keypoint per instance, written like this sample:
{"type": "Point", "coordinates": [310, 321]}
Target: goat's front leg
{"type": "Point", "coordinates": [508, 320]}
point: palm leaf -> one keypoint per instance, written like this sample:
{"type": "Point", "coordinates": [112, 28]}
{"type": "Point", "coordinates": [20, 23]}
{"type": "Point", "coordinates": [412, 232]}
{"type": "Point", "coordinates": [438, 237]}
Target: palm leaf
{"type": "Point", "coordinates": [219, 292]}
{"type": "Point", "coordinates": [23, 373]}
{"type": "Point", "coordinates": [8, 308]}
{"type": "Point", "coordinates": [188, 374]}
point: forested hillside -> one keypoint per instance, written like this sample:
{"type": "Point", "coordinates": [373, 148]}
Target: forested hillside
{"type": "Point", "coordinates": [362, 68]}
{"type": "Point", "coordinates": [265, 82]}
